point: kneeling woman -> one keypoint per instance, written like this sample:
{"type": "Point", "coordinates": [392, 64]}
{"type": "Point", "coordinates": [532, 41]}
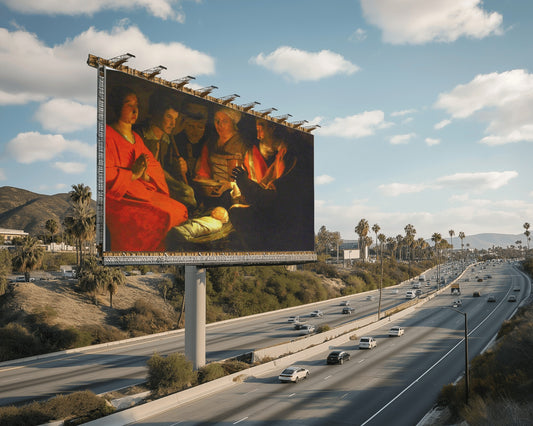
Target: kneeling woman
{"type": "Point", "coordinates": [139, 210]}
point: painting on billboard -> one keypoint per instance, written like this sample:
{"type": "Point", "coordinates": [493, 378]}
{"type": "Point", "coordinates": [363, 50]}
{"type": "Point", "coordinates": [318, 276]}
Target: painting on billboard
{"type": "Point", "coordinates": [184, 174]}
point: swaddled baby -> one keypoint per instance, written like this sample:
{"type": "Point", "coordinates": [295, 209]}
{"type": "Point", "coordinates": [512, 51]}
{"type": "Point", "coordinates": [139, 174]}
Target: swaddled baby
{"type": "Point", "coordinates": [204, 225]}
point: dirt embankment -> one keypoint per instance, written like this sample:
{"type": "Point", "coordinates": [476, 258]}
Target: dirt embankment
{"type": "Point", "coordinates": [74, 309]}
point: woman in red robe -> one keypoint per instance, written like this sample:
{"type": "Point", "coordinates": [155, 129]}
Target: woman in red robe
{"type": "Point", "coordinates": [139, 210]}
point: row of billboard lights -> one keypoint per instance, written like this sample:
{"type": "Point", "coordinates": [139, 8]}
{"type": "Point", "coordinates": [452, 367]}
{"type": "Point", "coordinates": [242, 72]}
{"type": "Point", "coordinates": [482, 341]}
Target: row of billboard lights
{"type": "Point", "coordinates": [150, 73]}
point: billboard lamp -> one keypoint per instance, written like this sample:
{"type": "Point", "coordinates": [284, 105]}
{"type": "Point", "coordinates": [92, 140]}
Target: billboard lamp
{"type": "Point", "coordinates": [204, 91]}
{"type": "Point", "coordinates": [265, 112]}
{"type": "Point", "coordinates": [310, 127]}
{"type": "Point", "coordinates": [152, 72]}
{"type": "Point", "coordinates": [282, 118]}
{"type": "Point", "coordinates": [250, 105]}
{"type": "Point", "coordinates": [227, 99]}
{"type": "Point", "coordinates": [298, 123]}
{"type": "Point", "coordinates": [119, 60]}
{"type": "Point", "coordinates": [180, 82]}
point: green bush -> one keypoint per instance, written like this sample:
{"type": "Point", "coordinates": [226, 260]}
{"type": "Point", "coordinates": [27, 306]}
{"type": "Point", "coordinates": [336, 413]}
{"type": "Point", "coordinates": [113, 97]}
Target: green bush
{"type": "Point", "coordinates": [233, 366]}
{"type": "Point", "coordinates": [145, 317]}
{"type": "Point", "coordinates": [169, 374]}
{"type": "Point", "coordinates": [18, 342]}
{"type": "Point", "coordinates": [75, 409]}
{"type": "Point", "coordinates": [210, 372]}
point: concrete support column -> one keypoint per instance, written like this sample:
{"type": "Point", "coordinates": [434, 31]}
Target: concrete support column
{"type": "Point", "coordinates": [195, 315]}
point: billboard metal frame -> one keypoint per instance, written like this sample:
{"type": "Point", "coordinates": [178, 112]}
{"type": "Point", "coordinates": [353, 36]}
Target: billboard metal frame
{"type": "Point", "coordinates": [199, 259]}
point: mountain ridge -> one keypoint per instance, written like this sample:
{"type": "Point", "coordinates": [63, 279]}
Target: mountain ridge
{"type": "Point", "coordinates": [29, 211]}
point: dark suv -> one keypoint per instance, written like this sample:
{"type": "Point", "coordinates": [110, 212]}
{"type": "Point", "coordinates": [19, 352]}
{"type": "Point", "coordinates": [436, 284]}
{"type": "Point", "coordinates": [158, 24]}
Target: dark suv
{"type": "Point", "coordinates": [337, 357]}
{"type": "Point", "coordinates": [348, 310]}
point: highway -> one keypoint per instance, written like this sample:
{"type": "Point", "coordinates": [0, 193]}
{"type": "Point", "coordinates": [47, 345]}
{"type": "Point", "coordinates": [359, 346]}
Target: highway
{"type": "Point", "coordinates": [395, 383]}
{"type": "Point", "coordinates": [102, 369]}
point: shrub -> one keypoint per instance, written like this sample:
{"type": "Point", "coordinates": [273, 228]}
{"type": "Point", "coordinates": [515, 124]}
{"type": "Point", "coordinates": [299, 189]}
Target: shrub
{"type": "Point", "coordinates": [323, 328]}
{"type": "Point", "coordinates": [169, 374]}
{"type": "Point", "coordinates": [75, 409]}
{"type": "Point", "coordinates": [210, 372]}
{"type": "Point", "coordinates": [18, 342]}
{"type": "Point", "coordinates": [145, 318]}
{"type": "Point", "coordinates": [234, 366]}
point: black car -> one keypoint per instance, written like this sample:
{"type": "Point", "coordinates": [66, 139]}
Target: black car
{"type": "Point", "coordinates": [348, 310]}
{"type": "Point", "coordinates": [337, 357]}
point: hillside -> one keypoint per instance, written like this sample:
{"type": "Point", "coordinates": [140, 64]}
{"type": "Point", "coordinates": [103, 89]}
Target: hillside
{"type": "Point", "coordinates": [29, 211]}
{"type": "Point", "coordinates": [74, 309]}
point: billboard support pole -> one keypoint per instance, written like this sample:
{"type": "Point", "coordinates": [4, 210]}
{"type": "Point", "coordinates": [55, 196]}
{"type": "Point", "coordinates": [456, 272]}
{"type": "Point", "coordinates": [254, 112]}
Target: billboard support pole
{"type": "Point", "coordinates": [195, 310]}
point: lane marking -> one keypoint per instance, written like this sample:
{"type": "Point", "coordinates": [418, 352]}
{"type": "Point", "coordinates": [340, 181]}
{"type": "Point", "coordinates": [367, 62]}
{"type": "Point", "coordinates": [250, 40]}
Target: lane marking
{"type": "Point", "coordinates": [425, 372]}
{"type": "Point", "coordinates": [241, 420]}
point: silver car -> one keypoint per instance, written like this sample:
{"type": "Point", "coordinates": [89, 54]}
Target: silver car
{"type": "Point", "coordinates": [293, 374]}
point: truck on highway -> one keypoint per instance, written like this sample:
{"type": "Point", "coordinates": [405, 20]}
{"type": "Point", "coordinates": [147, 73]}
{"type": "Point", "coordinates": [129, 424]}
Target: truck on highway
{"type": "Point", "coordinates": [455, 288]}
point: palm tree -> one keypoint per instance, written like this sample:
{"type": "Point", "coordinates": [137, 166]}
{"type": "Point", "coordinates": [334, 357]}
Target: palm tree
{"type": "Point", "coordinates": [381, 238]}
{"type": "Point", "coordinates": [399, 242]}
{"type": "Point", "coordinates": [28, 256]}
{"type": "Point", "coordinates": [81, 224]}
{"type": "Point", "coordinates": [436, 238]}
{"type": "Point", "coordinates": [81, 193]}
{"type": "Point", "coordinates": [375, 229]}
{"type": "Point", "coordinates": [527, 234]}
{"type": "Point", "coordinates": [51, 226]}
{"type": "Point", "coordinates": [452, 233]}
{"type": "Point", "coordinates": [362, 230]}
{"type": "Point", "coordinates": [410, 233]}
{"type": "Point", "coordinates": [112, 278]}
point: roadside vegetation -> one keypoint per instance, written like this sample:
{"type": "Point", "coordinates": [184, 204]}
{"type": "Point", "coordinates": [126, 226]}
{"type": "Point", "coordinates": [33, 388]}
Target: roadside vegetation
{"type": "Point", "coordinates": [74, 409]}
{"type": "Point", "coordinates": [501, 379]}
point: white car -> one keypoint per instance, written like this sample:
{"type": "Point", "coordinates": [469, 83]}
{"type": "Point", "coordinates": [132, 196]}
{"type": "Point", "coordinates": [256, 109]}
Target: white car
{"type": "Point", "coordinates": [294, 318]}
{"type": "Point", "coordinates": [345, 303]}
{"type": "Point", "coordinates": [396, 331]}
{"type": "Point", "coordinates": [307, 329]}
{"type": "Point", "coordinates": [367, 342]}
{"type": "Point", "coordinates": [317, 313]}
{"type": "Point", "coordinates": [293, 374]}
{"type": "Point", "coordinates": [410, 295]}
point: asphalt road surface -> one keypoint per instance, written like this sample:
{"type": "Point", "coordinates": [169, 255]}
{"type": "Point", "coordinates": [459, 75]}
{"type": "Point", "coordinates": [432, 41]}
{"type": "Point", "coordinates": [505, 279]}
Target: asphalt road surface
{"type": "Point", "coordinates": [395, 383]}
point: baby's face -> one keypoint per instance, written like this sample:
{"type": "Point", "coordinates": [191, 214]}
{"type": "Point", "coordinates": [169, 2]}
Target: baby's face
{"type": "Point", "coordinates": [220, 213]}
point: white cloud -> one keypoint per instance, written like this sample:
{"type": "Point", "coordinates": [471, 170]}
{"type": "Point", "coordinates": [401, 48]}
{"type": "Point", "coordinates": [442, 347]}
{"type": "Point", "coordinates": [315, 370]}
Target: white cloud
{"type": "Point", "coordinates": [305, 66]}
{"type": "Point", "coordinates": [70, 167]}
{"type": "Point", "coordinates": [324, 179]}
{"type": "Point", "coordinates": [20, 98]}
{"type": "Point", "coordinates": [355, 126]}
{"type": "Point", "coordinates": [30, 147]}
{"type": "Point", "coordinates": [422, 21]}
{"type": "Point", "coordinates": [472, 182]}
{"type": "Point", "coordinates": [358, 35]}
{"type": "Point", "coordinates": [402, 139]}
{"type": "Point", "coordinates": [63, 115]}
{"type": "Point", "coordinates": [432, 141]}
{"type": "Point", "coordinates": [478, 181]}
{"type": "Point", "coordinates": [470, 216]}
{"type": "Point", "coordinates": [442, 124]}
{"type": "Point", "coordinates": [159, 8]}
{"type": "Point", "coordinates": [395, 189]}
{"type": "Point", "coordinates": [503, 100]}
{"type": "Point", "coordinates": [403, 112]}
{"type": "Point", "coordinates": [35, 70]}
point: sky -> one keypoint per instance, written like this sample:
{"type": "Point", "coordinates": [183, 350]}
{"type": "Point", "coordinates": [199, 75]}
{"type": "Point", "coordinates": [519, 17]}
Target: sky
{"type": "Point", "coordinates": [425, 107]}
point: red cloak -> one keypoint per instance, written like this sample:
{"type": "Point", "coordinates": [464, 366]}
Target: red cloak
{"type": "Point", "coordinates": [138, 213]}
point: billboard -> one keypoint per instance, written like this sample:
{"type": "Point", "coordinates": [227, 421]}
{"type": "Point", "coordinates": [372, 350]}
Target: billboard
{"type": "Point", "coordinates": [190, 179]}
